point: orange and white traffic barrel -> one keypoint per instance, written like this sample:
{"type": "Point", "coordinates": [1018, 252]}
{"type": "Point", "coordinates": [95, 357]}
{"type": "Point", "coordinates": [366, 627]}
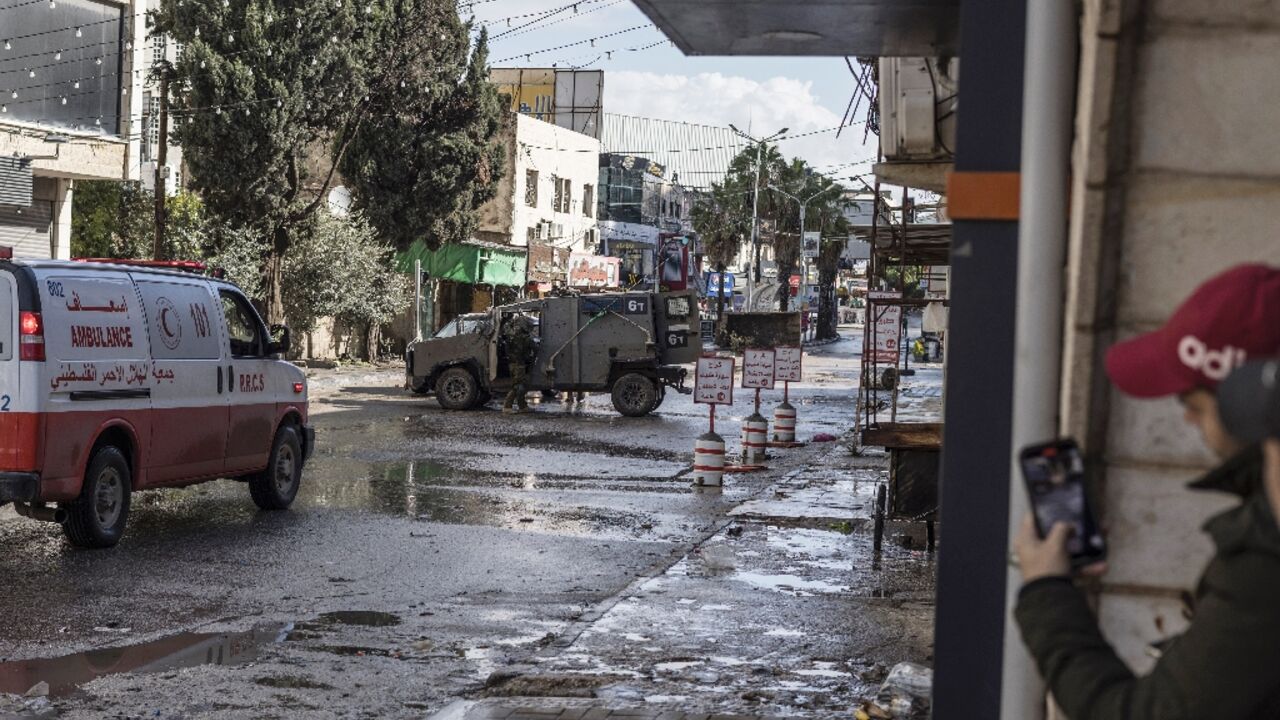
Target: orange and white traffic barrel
{"type": "Point", "coordinates": [784, 423]}
{"type": "Point", "coordinates": [708, 460]}
{"type": "Point", "coordinates": [755, 437]}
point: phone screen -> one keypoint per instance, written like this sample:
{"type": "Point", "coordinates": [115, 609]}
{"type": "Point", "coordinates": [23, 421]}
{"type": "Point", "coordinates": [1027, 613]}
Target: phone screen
{"type": "Point", "coordinates": [1054, 474]}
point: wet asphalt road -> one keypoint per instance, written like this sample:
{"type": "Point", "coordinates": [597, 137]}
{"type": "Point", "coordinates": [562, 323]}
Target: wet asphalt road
{"type": "Point", "coordinates": [475, 538]}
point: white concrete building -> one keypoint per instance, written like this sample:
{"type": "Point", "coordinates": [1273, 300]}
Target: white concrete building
{"type": "Point", "coordinates": [547, 198]}
{"type": "Point", "coordinates": [71, 78]}
{"type": "Point", "coordinates": [158, 49]}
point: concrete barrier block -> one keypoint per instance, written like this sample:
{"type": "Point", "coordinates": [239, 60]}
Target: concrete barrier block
{"type": "Point", "coordinates": [1153, 526]}
{"type": "Point", "coordinates": [1179, 231]}
{"type": "Point", "coordinates": [1203, 115]}
{"type": "Point", "coordinates": [1254, 14]}
{"type": "Point", "coordinates": [1154, 431]}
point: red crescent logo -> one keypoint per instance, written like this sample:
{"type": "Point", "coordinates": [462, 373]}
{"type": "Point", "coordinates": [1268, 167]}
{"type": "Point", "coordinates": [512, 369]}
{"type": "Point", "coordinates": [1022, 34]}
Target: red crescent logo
{"type": "Point", "coordinates": [164, 322]}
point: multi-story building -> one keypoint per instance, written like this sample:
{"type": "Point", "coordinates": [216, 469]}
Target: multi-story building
{"type": "Point", "coordinates": [159, 49]}
{"type": "Point", "coordinates": [640, 207]}
{"type": "Point", "coordinates": [70, 109]}
{"type": "Point", "coordinates": [544, 210]}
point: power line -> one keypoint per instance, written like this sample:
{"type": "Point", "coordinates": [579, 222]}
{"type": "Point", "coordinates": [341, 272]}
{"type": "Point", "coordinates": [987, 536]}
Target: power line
{"type": "Point", "coordinates": [572, 44]}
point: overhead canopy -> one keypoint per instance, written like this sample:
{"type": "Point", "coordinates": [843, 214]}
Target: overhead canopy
{"type": "Point", "coordinates": [925, 244]}
{"type": "Point", "coordinates": [474, 263]}
{"type": "Point", "coordinates": [913, 28]}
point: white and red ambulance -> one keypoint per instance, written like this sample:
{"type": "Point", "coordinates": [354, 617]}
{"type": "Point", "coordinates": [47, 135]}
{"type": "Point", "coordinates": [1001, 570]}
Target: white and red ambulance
{"type": "Point", "coordinates": [116, 378]}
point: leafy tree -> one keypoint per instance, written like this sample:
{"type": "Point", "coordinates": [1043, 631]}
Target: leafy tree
{"type": "Point", "coordinates": [337, 268]}
{"type": "Point", "coordinates": [112, 219]}
{"type": "Point", "coordinates": [268, 97]}
{"type": "Point", "coordinates": [424, 161]}
{"type": "Point", "coordinates": [718, 220]}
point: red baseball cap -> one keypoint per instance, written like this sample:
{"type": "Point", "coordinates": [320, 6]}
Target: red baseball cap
{"type": "Point", "coordinates": [1231, 318]}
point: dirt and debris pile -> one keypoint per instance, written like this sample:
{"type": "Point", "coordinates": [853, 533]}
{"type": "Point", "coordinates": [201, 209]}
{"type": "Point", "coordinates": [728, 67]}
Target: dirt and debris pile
{"type": "Point", "coordinates": [904, 695]}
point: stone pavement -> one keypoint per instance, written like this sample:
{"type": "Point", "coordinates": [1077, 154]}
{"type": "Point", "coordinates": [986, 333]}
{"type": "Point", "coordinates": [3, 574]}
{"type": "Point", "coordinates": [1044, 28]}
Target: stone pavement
{"type": "Point", "coordinates": [506, 712]}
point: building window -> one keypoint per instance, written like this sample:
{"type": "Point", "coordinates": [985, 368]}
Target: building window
{"type": "Point", "coordinates": [531, 235]}
{"type": "Point", "coordinates": [566, 196]}
{"type": "Point", "coordinates": [588, 200]}
{"type": "Point", "coordinates": [531, 188]}
{"type": "Point", "coordinates": [157, 49]}
{"type": "Point", "coordinates": [557, 189]}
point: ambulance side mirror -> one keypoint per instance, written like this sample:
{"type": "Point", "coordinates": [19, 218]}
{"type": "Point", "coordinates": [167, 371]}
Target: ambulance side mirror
{"type": "Point", "coordinates": [279, 344]}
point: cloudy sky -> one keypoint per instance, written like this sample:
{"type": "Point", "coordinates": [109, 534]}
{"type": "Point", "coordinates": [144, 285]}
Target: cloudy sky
{"type": "Point", "coordinates": [647, 77]}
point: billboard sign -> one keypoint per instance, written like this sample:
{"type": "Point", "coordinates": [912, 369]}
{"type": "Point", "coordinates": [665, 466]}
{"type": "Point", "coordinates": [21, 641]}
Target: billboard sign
{"type": "Point", "coordinates": [713, 381]}
{"type": "Point", "coordinates": [757, 369]}
{"type": "Point", "coordinates": [810, 244]}
{"type": "Point", "coordinates": [888, 326]}
{"type": "Point", "coordinates": [593, 271]}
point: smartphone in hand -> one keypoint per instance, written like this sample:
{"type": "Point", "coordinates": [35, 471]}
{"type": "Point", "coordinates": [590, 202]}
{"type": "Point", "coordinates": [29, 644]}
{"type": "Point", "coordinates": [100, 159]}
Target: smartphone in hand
{"type": "Point", "coordinates": [1054, 476]}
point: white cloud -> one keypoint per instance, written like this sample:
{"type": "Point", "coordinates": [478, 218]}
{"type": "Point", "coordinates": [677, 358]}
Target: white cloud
{"type": "Point", "coordinates": [718, 99]}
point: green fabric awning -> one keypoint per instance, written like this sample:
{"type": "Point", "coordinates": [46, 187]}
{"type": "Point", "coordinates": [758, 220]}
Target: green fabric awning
{"type": "Point", "coordinates": [471, 263]}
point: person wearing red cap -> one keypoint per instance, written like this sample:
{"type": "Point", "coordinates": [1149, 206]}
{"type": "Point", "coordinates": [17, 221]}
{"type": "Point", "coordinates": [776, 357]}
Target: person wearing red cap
{"type": "Point", "coordinates": [1227, 663]}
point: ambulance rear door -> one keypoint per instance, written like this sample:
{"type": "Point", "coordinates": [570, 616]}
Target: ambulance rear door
{"type": "Point", "coordinates": [10, 399]}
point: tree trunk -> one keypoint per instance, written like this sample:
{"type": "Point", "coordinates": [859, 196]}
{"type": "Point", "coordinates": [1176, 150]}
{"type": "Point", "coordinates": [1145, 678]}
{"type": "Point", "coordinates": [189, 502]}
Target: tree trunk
{"type": "Point", "coordinates": [784, 285]}
{"type": "Point", "coordinates": [828, 268]}
{"type": "Point", "coordinates": [720, 295]}
{"type": "Point", "coordinates": [273, 279]}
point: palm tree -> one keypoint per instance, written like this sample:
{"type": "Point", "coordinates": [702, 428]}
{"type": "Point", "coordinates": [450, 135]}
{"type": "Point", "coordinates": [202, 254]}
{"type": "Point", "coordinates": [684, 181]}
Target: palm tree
{"type": "Point", "coordinates": [720, 222]}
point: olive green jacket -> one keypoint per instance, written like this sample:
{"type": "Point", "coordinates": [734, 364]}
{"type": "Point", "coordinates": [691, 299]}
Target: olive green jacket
{"type": "Point", "coordinates": [1225, 666]}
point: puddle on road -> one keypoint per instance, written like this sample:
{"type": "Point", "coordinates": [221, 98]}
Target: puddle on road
{"type": "Point", "coordinates": [65, 674]}
{"type": "Point", "coordinates": [364, 618]}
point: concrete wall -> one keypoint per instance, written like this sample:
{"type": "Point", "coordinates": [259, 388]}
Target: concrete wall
{"type": "Point", "coordinates": [1176, 177]}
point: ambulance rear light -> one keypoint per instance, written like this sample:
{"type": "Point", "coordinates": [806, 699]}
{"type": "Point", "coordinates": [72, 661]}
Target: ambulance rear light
{"type": "Point", "coordinates": [6, 252]}
{"type": "Point", "coordinates": [30, 336]}
{"type": "Point", "coordinates": [299, 387]}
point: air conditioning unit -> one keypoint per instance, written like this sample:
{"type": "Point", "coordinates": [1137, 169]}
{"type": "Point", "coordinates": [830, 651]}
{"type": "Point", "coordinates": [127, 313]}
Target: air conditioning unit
{"type": "Point", "coordinates": [557, 230]}
{"type": "Point", "coordinates": [543, 230]}
{"type": "Point", "coordinates": [918, 101]}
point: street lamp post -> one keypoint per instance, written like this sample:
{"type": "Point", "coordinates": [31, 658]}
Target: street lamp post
{"type": "Point", "coordinates": [804, 205]}
{"type": "Point", "coordinates": [755, 213]}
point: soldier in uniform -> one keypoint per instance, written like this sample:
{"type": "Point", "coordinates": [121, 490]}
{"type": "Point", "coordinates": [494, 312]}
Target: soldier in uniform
{"type": "Point", "coordinates": [521, 349]}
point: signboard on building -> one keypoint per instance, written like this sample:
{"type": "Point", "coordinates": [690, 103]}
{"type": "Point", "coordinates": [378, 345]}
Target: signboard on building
{"type": "Point", "coordinates": [593, 271]}
{"type": "Point", "coordinates": [888, 326]}
{"type": "Point", "coordinates": [810, 244]}
{"type": "Point", "coordinates": [718, 284]}
{"type": "Point", "coordinates": [757, 369]}
{"type": "Point", "coordinates": [713, 381]}
{"type": "Point", "coordinates": [614, 231]}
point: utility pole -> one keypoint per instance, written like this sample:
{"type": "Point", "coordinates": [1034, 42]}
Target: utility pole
{"type": "Point", "coordinates": [157, 250]}
{"type": "Point", "coordinates": [804, 206]}
{"type": "Point", "coordinates": [754, 276]}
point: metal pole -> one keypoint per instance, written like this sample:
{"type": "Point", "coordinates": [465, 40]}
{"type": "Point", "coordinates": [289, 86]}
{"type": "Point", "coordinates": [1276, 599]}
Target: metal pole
{"type": "Point", "coordinates": [754, 276]}
{"type": "Point", "coordinates": [157, 248]}
{"type": "Point", "coordinates": [1048, 96]}
{"type": "Point", "coordinates": [417, 299]}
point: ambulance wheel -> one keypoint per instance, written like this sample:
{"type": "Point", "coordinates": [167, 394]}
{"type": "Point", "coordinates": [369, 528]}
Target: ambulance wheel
{"type": "Point", "coordinates": [277, 486]}
{"type": "Point", "coordinates": [634, 395]}
{"type": "Point", "coordinates": [457, 389]}
{"type": "Point", "coordinates": [97, 518]}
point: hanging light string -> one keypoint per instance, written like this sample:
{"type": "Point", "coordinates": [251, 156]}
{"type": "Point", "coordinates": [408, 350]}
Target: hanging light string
{"type": "Point", "coordinates": [550, 13]}
{"type": "Point", "coordinates": [572, 44]}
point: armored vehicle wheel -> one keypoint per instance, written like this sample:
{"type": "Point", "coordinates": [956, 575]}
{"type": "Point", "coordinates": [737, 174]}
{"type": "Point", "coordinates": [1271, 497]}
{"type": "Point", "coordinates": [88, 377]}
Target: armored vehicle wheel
{"type": "Point", "coordinates": [457, 389]}
{"type": "Point", "coordinates": [634, 395]}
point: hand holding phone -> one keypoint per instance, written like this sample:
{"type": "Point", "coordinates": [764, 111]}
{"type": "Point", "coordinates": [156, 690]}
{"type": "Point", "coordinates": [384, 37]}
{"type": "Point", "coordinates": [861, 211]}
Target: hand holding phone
{"type": "Point", "coordinates": [1054, 477]}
